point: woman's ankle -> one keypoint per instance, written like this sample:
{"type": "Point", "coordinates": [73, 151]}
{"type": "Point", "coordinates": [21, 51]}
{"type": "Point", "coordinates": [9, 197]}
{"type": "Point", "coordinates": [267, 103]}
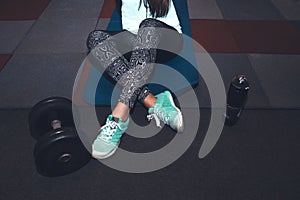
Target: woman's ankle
{"type": "Point", "coordinates": [149, 101]}
{"type": "Point", "coordinates": [121, 111]}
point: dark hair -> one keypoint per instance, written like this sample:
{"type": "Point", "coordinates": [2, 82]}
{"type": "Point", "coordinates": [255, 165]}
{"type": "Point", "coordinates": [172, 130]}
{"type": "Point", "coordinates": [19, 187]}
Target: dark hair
{"type": "Point", "coordinates": [158, 8]}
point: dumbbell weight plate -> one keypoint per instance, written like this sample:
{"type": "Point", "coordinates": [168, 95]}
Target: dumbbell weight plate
{"type": "Point", "coordinates": [60, 152]}
{"type": "Point", "coordinates": [44, 112]}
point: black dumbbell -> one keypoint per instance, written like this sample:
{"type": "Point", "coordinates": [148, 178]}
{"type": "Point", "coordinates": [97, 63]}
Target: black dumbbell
{"type": "Point", "coordinates": [236, 99]}
{"type": "Point", "coordinates": [59, 150]}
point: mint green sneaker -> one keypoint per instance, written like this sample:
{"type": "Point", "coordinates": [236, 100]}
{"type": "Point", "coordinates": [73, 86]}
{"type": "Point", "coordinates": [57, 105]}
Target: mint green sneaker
{"type": "Point", "coordinates": [107, 142]}
{"type": "Point", "coordinates": [165, 110]}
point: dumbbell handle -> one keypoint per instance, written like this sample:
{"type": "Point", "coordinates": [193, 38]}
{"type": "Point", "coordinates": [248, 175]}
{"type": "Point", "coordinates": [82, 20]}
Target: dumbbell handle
{"type": "Point", "coordinates": [56, 124]}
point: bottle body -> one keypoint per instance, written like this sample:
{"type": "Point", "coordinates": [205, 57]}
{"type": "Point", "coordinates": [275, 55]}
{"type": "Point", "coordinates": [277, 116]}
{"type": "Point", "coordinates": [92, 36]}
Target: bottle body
{"type": "Point", "coordinates": [236, 99]}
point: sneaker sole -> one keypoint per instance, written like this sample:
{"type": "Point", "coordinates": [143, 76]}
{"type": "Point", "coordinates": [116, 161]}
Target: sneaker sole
{"type": "Point", "coordinates": [180, 127]}
{"type": "Point", "coordinates": [100, 156]}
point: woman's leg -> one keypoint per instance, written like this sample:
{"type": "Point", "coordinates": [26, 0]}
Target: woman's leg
{"type": "Point", "coordinates": [103, 47]}
{"type": "Point", "coordinates": [162, 106]}
{"type": "Point", "coordinates": [117, 67]}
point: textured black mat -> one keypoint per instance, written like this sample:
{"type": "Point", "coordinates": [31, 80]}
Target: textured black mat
{"type": "Point", "coordinates": [257, 159]}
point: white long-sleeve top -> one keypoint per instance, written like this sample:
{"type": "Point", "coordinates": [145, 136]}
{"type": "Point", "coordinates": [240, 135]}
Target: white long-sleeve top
{"type": "Point", "coordinates": [132, 16]}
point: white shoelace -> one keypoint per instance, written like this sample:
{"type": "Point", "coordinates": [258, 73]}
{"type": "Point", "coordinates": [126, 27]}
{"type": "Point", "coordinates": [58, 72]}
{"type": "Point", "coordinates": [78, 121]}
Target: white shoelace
{"type": "Point", "coordinates": [110, 129]}
{"type": "Point", "coordinates": [155, 115]}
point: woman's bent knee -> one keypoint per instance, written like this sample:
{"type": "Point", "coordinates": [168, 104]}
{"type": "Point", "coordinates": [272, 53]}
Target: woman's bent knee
{"type": "Point", "coordinates": [95, 38]}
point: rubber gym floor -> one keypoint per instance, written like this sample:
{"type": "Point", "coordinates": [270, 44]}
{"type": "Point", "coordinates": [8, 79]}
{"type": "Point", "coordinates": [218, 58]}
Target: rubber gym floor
{"type": "Point", "coordinates": [42, 44]}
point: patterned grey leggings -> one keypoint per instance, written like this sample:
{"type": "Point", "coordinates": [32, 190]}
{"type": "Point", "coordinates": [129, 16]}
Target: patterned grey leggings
{"type": "Point", "coordinates": [132, 74]}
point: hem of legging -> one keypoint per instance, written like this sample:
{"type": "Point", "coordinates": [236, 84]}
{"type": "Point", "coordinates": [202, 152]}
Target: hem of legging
{"type": "Point", "coordinates": [127, 103]}
{"type": "Point", "coordinates": [143, 96]}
